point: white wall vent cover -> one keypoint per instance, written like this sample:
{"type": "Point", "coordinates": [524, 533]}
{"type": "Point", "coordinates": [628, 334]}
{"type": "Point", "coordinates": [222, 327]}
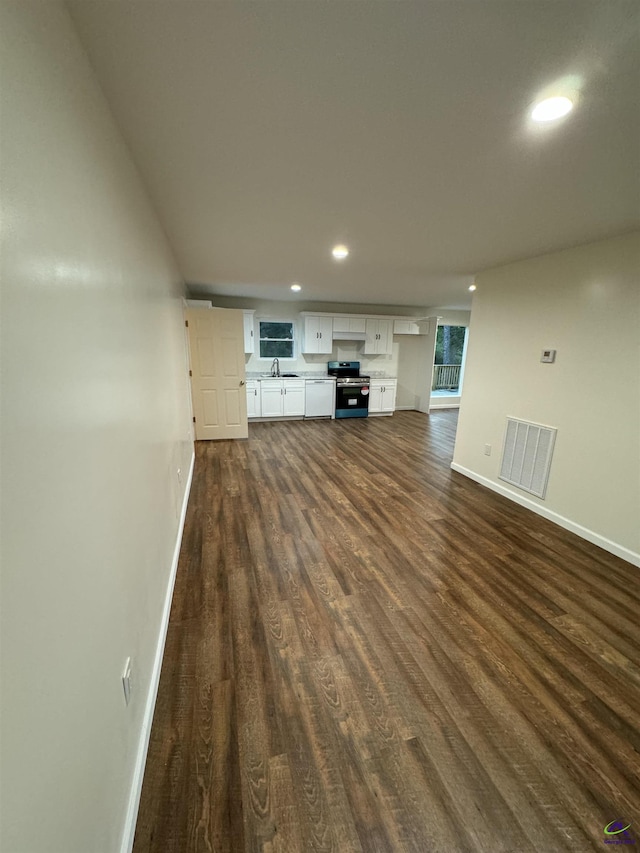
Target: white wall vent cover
{"type": "Point", "coordinates": [526, 455]}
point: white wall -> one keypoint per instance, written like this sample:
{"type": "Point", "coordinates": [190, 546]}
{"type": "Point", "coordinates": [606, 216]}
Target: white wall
{"type": "Point", "coordinates": [585, 303]}
{"type": "Point", "coordinates": [415, 356]}
{"type": "Point", "coordinates": [449, 317]}
{"type": "Point", "coordinates": [95, 424]}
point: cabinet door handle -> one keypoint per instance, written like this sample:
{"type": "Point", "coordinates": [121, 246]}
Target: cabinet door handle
{"type": "Point", "coordinates": [242, 382]}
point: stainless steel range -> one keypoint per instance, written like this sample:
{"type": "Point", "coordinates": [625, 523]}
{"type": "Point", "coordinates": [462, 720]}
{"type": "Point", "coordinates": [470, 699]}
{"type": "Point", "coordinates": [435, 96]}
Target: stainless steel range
{"type": "Point", "coordinates": [352, 390]}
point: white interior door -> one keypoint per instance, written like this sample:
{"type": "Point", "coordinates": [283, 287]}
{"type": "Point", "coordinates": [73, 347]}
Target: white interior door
{"type": "Point", "coordinates": [216, 347]}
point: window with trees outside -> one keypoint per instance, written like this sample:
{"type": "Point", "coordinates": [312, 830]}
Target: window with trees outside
{"type": "Point", "coordinates": [448, 361]}
{"type": "Point", "coordinates": [276, 339]}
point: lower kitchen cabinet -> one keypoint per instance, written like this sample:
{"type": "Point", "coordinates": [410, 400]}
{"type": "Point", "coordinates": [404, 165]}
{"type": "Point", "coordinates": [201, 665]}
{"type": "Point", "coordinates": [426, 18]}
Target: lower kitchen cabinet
{"type": "Point", "coordinates": [254, 408]}
{"type": "Point", "coordinates": [271, 398]}
{"type": "Point", "coordinates": [293, 397]}
{"type": "Point", "coordinates": [382, 396]}
{"type": "Point", "coordinates": [281, 398]}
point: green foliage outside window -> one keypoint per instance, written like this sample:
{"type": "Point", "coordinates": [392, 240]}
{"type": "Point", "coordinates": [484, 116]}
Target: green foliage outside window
{"type": "Point", "coordinates": [276, 339]}
{"type": "Point", "coordinates": [449, 344]}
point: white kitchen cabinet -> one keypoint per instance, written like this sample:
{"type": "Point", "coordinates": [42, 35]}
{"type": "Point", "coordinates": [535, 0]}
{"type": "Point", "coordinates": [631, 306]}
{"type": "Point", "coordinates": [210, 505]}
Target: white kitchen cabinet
{"type": "Point", "coordinates": [318, 335]}
{"type": "Point", "coordinates": [198, 303]}
{"type": "Point", "coordinates": [249, 333]}
{"type": "Point", "coordinates": [348, 325]}
{"type": "Point", "coordinates": [271, 394]}
{"type": "Point", "coordinates": [382, 396]}
{"type": "Point", "coordinates": [282, 398]}
{"type": "Point", "coordinates": [254, 409]}
{"type": "Point", "coordinates": [379, 337]}
{"type": "Point", "coordinates": [405, 327]}
{"type": "Point", "coordinates": [375, 397]}
{"type": "Point", "coordinates": [293, 397]}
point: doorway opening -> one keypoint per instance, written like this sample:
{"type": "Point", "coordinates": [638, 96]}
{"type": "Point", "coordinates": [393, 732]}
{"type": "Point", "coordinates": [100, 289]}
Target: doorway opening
{"type": "Point", "coordinates": [448, 366]}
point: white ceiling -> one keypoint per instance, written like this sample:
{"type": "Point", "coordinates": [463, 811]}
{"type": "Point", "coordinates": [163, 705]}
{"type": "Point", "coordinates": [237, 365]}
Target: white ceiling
{"type": "Point", "coordinates": [268, 131]}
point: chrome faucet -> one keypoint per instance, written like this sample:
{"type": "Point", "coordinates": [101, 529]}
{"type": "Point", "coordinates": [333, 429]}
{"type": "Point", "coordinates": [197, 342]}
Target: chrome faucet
{"type": "Point", "coordinates": [275, 367]}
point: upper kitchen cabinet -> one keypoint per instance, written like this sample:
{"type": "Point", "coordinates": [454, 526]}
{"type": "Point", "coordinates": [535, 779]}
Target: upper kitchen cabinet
{"type": "Point", "coordinates": [318, 335]}
{"type": "Point", "coordinates": [349, 328]}
{"type": "Point", "coordinates": [406, 327]}
{"type": "Point", "coordinates": [249, 333]}
{"type": "Point", "coordinates": [379, 337]}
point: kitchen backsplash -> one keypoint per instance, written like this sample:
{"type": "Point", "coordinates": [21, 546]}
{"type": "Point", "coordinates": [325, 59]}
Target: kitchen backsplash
{"type": "Point", "coordinates": [371, 365]}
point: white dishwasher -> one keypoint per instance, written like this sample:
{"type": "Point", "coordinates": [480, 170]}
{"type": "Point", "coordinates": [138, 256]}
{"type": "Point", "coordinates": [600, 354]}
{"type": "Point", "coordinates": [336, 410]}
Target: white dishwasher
{"type": "Point", "coordinates": [320, 398]}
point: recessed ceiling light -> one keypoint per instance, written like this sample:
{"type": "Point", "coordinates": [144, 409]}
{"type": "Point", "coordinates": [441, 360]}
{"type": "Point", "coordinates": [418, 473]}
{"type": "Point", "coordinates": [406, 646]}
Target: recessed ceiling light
{"type": "Point", "coordinates": [340, 252]}
{"type": "Point", "coordinates": [472, 287]}
{"type": "Point", "coordinates": [295, 286]}
{"type": "Point", "coordinates": [551, 109]}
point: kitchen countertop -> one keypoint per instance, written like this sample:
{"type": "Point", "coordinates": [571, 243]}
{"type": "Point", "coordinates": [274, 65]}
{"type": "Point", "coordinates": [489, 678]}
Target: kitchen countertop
{"type": "Point", "coordinates": [374, 374]}
{"type": "Point", "coordinates": [304, 375]}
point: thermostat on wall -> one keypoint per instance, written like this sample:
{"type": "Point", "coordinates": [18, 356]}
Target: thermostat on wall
{"type": "Point", "coordinates": [548, 356]}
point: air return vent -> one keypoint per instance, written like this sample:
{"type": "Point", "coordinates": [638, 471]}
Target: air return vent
{"type": "Point", "coordinates": [526, 455]}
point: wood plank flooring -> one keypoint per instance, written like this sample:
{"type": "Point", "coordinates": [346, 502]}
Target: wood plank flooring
{"type": "Point", "coordinates": [370, 652]}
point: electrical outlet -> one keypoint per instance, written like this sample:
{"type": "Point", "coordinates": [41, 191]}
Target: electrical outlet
{"type": "Point", "coordinates": [126, 681]}
{"type": "Point", "coordinates": [487, 450]}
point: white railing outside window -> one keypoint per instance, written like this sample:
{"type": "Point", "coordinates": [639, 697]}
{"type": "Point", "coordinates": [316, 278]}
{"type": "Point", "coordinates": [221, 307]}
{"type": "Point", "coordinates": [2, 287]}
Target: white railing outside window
{"type": "Point", "coordinates": [446, 377]}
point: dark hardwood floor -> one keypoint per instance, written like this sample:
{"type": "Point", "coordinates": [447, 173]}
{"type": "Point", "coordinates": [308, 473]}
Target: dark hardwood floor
{"type": "Point", "coordinates": [370, 652]}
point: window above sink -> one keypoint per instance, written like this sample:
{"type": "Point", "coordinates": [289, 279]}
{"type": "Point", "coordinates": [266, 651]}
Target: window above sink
{"type": "Point", "coordinates": [276, 338]}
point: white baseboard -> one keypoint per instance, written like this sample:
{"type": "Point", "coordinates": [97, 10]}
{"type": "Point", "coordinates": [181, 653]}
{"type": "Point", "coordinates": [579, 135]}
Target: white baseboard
{"type": "Point", "coordinates": [145, 733]}
{"type": "Point", "coordinates": [578, 529]}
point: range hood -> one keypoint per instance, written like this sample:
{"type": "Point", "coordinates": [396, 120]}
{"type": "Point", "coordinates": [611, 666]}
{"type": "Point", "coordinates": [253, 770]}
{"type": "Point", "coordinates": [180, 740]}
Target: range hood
{"type": "Point", "coordinates": [348, 336]}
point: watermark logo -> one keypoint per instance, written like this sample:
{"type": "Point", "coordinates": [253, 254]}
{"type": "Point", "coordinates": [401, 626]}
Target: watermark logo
{"type": "Point", "coordinates": [617, 832]}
